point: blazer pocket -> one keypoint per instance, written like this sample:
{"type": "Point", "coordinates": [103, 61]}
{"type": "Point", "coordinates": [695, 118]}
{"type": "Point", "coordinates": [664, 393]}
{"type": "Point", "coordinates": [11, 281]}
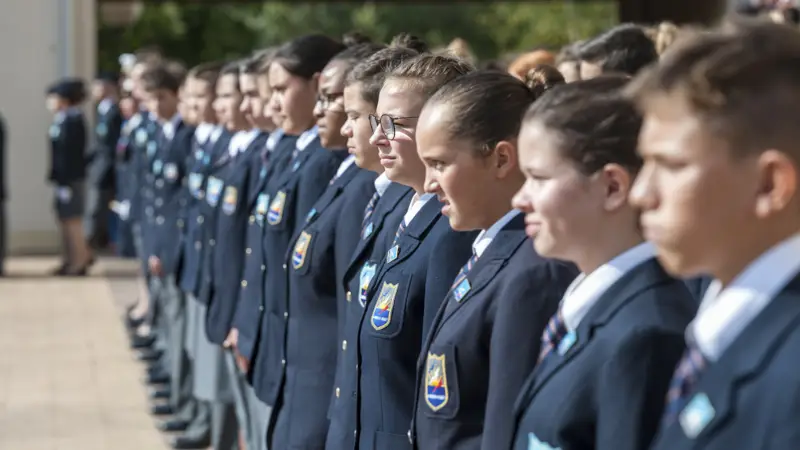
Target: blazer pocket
{"type": "Point", "coordinates": [388, 309]}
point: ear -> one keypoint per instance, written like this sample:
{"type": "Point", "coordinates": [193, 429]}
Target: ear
{"type": "Point", "coordinates": [505, 159]}
{"type": "Point", "coordinates": [617, 182]}
{"type": "Point", "coordinates": [778, 183]}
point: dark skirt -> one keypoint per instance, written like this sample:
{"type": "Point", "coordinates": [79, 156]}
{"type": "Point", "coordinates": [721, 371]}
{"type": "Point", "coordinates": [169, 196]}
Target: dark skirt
{"type": "Point", "coordinates": [68, 200]}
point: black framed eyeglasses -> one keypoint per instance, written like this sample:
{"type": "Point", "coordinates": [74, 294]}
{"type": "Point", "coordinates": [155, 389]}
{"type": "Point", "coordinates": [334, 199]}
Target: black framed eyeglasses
{"type": "Point", "coordinates": [386, 123]}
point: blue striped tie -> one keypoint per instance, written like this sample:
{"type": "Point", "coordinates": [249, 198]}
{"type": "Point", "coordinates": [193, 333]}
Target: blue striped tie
{"type": "Point", "coordinates": [683, 381]}
{"type": "Point", "coordinates": [552, 335]}
{"type": "Point", "coordinates": [462, 274]}
{"type": "Point", "coordinates": [370, 208]}
{"type": "Point", "coordinates": [400, 230]}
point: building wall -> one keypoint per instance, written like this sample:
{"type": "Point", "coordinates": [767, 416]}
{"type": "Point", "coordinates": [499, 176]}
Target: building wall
{"type": "Point", "coordinates": [40, 41]}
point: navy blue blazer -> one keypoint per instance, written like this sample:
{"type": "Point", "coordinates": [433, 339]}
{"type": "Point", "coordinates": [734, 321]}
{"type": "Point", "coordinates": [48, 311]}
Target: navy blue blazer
{"type": "Point", "coordinates": [68, 139]}
{"type": "Point", "coordinates": [144, 151]}
{"type": "Point", "coordinates": [106, 135]}
{"type": "Point", "coordinates": [126, 164]}
{"type": "Point", "coordinates": [369, 254]}
{"type": "Point", "coordinates": [310, 345]}
{"type": "Point", "coordinates": [484, 343]}
{"type": "Point", "coordinates": [698, 286]}
{"type": "Point", "coordinates": [391, 328]}
{"type": "Point", "coordinates": [193, 244]}
{"type": "Point", "coordinates": [230, 242]}
{"type": "Point", "coordinates": [606, 388]}
{"type": "Point", "coordinates": [250, 307]}
{"type": "Point", "coordinates": [292, 196]}
{"type": "Point", "coordinates": [169, 170]}
{"type": "Point", "coordinates": [749, 398]}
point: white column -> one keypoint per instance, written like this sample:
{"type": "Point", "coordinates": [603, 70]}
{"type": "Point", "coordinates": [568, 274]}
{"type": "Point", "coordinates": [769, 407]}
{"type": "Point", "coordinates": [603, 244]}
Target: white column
{"type": "Point", "coordinates": [40, 41]}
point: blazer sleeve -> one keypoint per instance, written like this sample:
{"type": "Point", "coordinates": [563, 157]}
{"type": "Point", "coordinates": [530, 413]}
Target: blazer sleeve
{"type": "Point", "coordinates": [523, 309]}
{"type": "Point", "coordinates": [633, 387]}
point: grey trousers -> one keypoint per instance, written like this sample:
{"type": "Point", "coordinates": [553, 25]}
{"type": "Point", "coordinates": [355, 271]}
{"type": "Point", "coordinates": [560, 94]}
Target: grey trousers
{"type": "Point", "coordinates": [95, 216]}
{"type": "Point", "coordinates": [251, 413]}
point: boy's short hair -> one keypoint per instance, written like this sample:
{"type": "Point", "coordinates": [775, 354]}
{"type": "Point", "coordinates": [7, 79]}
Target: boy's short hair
{"type": "Point", "coordinates": [623, 49]}
{"type": "Point", "coordinates": [744, 85]}
{"type": "Point", "coordinates": [207, 72]}
{"type": "Point", "coordinates": [161, 77]}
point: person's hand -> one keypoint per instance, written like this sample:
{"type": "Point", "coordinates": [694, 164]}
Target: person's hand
{"type": "Point", "coordinates": [232, 339]}
{"type": "Point", "coordinates": [154, 264]}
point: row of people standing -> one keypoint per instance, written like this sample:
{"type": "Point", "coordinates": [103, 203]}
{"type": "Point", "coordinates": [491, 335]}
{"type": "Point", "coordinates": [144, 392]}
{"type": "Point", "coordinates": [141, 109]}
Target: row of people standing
{"type": "Point", "coordinates": [398, 251]}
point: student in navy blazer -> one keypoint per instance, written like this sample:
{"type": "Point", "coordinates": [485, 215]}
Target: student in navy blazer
{"type": "Point", "coordinates": [729, 208]}
{"type": "Point", "coordinates": [484, 340]}
{"type": "Point", "coordinates": [68, 139]}
{"type": "Point", "coordinates": [293, 76]}
{"type": "Point", "coordinates": [317, 259]}
{"type": "Point", "coordinates": [391, 327]}
{"type": "Point", "coordinates": [605, 355]}
{"type": "Point", "coordinates": [379, 221]}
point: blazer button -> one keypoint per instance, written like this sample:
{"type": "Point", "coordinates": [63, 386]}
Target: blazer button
{"type": "Point", "coordinates": [160, 220]}
{"type": "Point", "coordinates": [338, 392]}
{"type": "Point", "coordinates": [180, 223]}
{"type": "Point", "coordinates": [159, 202]}
{"type": "Point", "coordinates": [200, 219]}
{"type": "Point", "coordinates": [248, 250]}
{"type": "Point", "coordinates": [283, 362]}
{"type": "Point", "coordinates": [410, 439]}
{"type": "Point", "coordinates": [261, 308]}
{"type": "Point", "coordinates": [285, 315]}
{"type": "Point", "coordinates": [284, 267]}
{"type": "Point", "coordinates": [252, 218]}
{"type": "Point", "coordinates": [211, 242]}
{"type": "Point", "coordinates": [344, 345]}
{"type": "Point", "coordinates": [263, 268]}
{"type": "Point", "coordinates": [244, 283]}
{"type": "Point", "coordinates": [349, 296]}
{"type": "Point", "coordinates": [198, 245]}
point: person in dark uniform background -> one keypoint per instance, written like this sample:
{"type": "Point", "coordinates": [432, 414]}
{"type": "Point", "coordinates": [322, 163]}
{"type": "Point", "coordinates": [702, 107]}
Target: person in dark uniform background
{"type": "Point", "coordinates": [68, 139]}
{"type": "Point", "coordinates": [100, 189]}
{"type": "Point", "coordinates": [485, 338]}
{"type": "Point", "coordinates": [606, 355]}
{"type": "Point", "coordinates": [719, 195]}
{"type": "Point", "coordinates": [408, 283]}
{"type": "Point", "coordinates": [361, 91]}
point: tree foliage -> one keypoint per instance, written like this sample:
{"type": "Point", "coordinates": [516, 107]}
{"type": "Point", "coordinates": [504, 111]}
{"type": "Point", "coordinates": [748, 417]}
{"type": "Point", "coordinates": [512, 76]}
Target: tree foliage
{"type": "Point", "coordinates": [196, 33]}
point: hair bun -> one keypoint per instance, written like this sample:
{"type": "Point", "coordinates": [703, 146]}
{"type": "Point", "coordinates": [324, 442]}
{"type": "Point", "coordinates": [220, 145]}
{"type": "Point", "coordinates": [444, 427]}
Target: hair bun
{"type": "Point", "coordinates": [354, 38]}
{"type": "Point", "coordinates": [542, 78]}
{"type": "Point", "coordinates": [406, 40]}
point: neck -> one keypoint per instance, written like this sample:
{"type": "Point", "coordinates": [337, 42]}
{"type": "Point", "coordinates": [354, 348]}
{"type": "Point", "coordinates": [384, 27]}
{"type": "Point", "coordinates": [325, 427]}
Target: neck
{"type": "Point", "coordinates": [742, 253]}
{"type": "Point", "coordinates": [500, 202]}
{"type": "Point", "coordinates": [607, 240]}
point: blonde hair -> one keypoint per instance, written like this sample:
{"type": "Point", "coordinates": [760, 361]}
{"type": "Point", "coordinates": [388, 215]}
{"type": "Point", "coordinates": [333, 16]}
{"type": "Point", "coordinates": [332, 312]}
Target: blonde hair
{"type": "Point", "coordinates": [528, 61]}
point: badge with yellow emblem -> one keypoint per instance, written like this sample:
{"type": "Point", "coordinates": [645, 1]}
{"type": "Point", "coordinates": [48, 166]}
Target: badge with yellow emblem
{"type": "Point", "coordinates": [300, 249]}
{"type": "Point", "coordinates": [213, 190]}
{"type": "Point", "coordinates": [229, 200]}
{"type": "Point", "coordinates": [275, 214]}
{"type": "Point", "coordinates": [436, 393]}
{"type": "Point", "coordinates": [262, 204]}
{"type": "Point", "coordinates": [382, 314]}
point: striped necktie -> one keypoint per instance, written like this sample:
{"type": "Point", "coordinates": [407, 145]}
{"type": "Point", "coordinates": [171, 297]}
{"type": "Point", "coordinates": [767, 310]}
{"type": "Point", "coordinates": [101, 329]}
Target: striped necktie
{"type": "Point", "coordinates": [370, 208]}
{"type": "Point", "coordinates": [683, 381]}
{"type": "Point", "coordinates": [400, 230]}
{"type": "Point", "coordinates": [462, 274]}
{"type": "Point", "coordinates": [552, 335]}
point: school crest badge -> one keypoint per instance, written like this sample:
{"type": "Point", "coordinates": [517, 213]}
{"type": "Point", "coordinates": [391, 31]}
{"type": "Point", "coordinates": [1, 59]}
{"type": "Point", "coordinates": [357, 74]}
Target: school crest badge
{"type": "Point", "coordinates": [195, 183]}
{"type": "Point", "coordinates": [365, 278]}
{"type": "Point", "coordinates": [171, 171]}
{"type": "Point", "coordinates": [436, 391]}
{"type": "Point", "coordinates": [230, 200]}
{"type": "Point", "coordinates": [300, 250]}
{"type": "Point", "coordinates": [213, 191]}
{"type": "Point", "coordinates": [382, 313]}
{"type": "Point", "coordinates": [275, 214]}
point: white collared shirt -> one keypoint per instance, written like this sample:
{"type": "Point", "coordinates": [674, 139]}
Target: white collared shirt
{"type": "Point", "coordinates": [306, 138]}
{"type": "Point", "coordinates": [216, 132]}
{"type": "Point", "coordinates": [585, 290]}
{"type": "Point", "coordinates": [725, 313]}
{"type": "Point", "coordinates": [485, 237]}
{"type": "Point", "coordinates": [417, 202]}
{"type": "Point", "coordinates": [241, 140]}
{"type": "Point", "coordinates": [382, 183]}
{"type": "Point", "coordinates": [104, 105]}
{"type": "Point", "coordinates": [203, 132]}
{"type": "Point", "coordinates": [273, 139]}
{"type": "Point", "coordinates": [344, 165]}
{"type": "Point", "coordinates": [169, 127]}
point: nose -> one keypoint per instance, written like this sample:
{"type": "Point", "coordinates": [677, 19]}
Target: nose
{"type": "Point", "coordinates": [521, 200]}
{"type": "Point", "coordinates": [642, 193]}
{"type": "Point", "coordinates": [347, 128]}
{"type": "Point", "coordinates": [431, 182]}
{"type": "Point", "coordinates": [318, 111]}
{"type": "Point", "coordinates": [378, 138]}
{"type": "Point", "coordinates": [244, 107]}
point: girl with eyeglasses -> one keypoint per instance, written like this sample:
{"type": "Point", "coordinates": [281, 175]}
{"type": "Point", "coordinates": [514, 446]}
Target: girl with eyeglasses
{"type": "Point", "coordinates": [423, 251]}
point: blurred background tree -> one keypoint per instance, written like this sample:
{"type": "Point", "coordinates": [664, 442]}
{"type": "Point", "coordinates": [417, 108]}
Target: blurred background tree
{"type": "Point", "coordinates": [196, 33]}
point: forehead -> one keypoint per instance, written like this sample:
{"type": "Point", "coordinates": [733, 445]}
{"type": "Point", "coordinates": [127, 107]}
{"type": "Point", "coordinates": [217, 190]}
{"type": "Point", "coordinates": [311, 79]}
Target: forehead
{"type": "Point", "coordinates": [277, 74]}
{"type": "Point", "coordinates": [539, 146]}
{"type": "Point", "coordinates": [248, 80]}
{"type": "Point", "coordinates": [227, 82]}
{"type": "Point", "coordinates": [354, 100]}
{"type": "Point", "coordinates": [399, 98]}
{"type": "Point", "coordinates": [669, 126]}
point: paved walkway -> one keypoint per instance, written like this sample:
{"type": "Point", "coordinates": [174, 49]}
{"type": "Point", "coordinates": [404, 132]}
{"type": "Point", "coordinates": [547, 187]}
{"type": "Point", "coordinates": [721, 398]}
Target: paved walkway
{"type": "Point", "coordinates": [67, 378]}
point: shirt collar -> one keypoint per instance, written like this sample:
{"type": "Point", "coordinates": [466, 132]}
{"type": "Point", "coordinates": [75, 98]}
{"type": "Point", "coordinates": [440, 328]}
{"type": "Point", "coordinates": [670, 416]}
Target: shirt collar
{"type": "Point", "coordinates": [486, 236]}
{"type": "Point", "coordinates": [273, 139]}
{"type": "Point", "coordinates": [344, 165]}
{"type": "Point", "coordinates": [417, 202]}
{"type": "Point", "coordinates": [203, 132]}
{"type": "Point", "coordinates": [382, 183]}
{"type": "Point", "coordinates": [306, 138]}
{"type": "Point", "coordinates": [170, 126]}
{"type": "Point", "coordinates": [725, 313]}
{"type": "Point", "coordinates": [104, 105]}
{"type": "Point", "coordinates": [241, 140]}
{"type": "Point", "coordinates": [216, 132]}
{"type": "Point", "coordinates": [586, 289]}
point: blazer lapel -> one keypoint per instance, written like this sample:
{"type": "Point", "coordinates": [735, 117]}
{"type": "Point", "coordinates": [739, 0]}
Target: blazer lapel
{"type": "Point", "coordinates": [415, 231]}
{"type": "Point", "coordinates": [749, 354]}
